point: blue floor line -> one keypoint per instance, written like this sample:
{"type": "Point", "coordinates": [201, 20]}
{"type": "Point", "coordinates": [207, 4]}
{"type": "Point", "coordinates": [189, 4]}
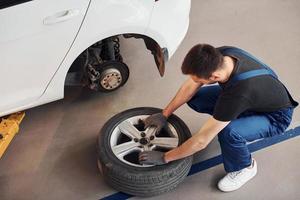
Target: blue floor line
{"type": "Point", "coordinates": [211, 162]}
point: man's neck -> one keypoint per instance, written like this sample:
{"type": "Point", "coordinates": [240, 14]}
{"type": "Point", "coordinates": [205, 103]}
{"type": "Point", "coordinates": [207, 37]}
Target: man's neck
{"type": "Point", "coordinates": [228, 66]}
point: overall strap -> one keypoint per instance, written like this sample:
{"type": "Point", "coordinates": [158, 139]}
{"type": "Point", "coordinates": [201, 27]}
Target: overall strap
{"type": "Point", "coordinates": [250, 74]}
{"type": "Point", "coordinates": [237, 51]}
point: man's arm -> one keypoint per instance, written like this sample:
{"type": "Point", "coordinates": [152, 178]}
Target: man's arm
{"type": "Point", "coordinates": [198, 141]}
{"type": "Point", "coordinates": [184, 94]}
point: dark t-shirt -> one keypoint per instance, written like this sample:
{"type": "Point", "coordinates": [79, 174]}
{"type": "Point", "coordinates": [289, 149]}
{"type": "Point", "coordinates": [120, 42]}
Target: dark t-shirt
{"type": "Point", "coordinates": [258, 94]}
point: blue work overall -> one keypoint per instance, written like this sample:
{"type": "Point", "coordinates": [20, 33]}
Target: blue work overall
{"type": "Point", "coordinates": [248, 126]}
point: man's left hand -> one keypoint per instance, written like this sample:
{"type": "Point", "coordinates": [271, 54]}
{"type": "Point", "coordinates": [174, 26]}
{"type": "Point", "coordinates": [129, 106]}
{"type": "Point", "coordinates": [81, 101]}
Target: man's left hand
{"type": "Point", "coordinates": [152, 158]}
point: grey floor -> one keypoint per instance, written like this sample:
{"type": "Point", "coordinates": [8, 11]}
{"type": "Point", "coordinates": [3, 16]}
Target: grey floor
{"type": "Point", "coordinates": [53, 156]}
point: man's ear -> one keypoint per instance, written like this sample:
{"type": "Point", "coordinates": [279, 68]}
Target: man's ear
{"type": "Point", "coordinates": [214, 77]}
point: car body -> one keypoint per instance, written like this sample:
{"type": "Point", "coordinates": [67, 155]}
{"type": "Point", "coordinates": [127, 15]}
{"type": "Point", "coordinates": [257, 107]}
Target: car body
{"type": "Point", "coordinates": [41, 39]}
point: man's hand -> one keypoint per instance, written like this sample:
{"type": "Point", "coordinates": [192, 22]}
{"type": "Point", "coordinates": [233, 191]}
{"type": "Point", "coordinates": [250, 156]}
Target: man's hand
{"type": "Point", "coordinates": [152, 158]}
{"type": "Point", "coordinates": [158, 120]}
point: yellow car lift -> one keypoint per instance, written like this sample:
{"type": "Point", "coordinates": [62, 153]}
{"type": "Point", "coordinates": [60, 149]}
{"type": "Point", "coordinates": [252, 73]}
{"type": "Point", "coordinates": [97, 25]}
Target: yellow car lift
{"type": "Point", "coordinates": [9, 127]}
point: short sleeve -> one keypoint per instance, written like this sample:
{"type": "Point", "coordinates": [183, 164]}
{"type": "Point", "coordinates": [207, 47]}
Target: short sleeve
{"type": "Point", "coordinates": [230, 107]}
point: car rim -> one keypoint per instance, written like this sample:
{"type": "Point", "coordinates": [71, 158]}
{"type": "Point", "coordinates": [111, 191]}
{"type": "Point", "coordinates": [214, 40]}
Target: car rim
{"type": "Point", "coordinates": [111, 79]}
{"type": "Point", "coordinates": [129, 138]}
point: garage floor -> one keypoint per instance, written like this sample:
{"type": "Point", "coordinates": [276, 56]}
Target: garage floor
{"type": "Point", "coordinates": [54, 156]}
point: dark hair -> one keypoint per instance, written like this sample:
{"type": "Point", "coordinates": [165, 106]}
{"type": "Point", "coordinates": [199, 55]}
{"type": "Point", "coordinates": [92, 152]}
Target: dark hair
{"type": "Point", "coordinates": [202, 60]}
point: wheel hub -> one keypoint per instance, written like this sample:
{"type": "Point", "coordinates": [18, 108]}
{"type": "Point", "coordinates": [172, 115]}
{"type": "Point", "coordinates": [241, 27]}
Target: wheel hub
{"type": "Point", "coordinates": [111, 79]}
{"type": "Point", "coordinates": [144, 141]}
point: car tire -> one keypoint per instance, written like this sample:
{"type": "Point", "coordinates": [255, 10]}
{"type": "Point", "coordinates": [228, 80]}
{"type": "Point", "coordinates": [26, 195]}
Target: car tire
{"type": "Point", "coordinates": [137, 180]}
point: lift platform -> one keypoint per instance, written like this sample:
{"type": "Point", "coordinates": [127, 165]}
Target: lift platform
{"type": "Point", "coordinates": [9, 127]}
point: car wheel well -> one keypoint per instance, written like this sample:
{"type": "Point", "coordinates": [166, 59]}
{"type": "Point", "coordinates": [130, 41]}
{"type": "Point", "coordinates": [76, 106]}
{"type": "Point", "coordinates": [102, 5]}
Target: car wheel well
{"type": "Point", "coordinates": [108, 49]}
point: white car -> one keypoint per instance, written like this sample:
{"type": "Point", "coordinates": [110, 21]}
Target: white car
{"type": "Point", "coordinates": [45, 44]}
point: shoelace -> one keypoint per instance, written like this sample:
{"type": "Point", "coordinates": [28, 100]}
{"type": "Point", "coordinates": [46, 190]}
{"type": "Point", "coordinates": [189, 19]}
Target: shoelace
{"type": "Point", "coordinates": [234, 174]}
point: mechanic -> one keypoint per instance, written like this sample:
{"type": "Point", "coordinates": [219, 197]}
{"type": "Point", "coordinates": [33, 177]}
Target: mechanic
{"type": "Point", "coordinates": [248, 103]}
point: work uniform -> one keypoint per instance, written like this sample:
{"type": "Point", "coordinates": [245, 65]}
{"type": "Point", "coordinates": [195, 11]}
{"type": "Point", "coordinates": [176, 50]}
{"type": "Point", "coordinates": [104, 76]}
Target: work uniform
{"type": "Point", "coordinates": [253, 99]}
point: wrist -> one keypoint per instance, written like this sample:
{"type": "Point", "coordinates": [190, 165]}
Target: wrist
{"type": "Point", "coordinates": [166, 114]}
{"type": "Point", "coordinates": [165, 157]}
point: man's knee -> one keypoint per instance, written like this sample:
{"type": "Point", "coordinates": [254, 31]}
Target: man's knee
{"type": "Point", "coordinates": [197, 105]}
{"type": "Point", "coordinates": [229, 135]}
{"type": "Point", "coordinates": [201, 102]}
{"type": "Point", "coordinates": [205, 99]}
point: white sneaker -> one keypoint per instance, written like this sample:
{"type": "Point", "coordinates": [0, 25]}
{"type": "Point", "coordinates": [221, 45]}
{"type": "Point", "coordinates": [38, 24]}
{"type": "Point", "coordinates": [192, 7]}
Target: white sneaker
{"type": "Point", "coordinates": [234, 180]}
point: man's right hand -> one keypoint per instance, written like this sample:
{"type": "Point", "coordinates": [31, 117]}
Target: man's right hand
{"type": "Point", "coordinates": [157, 120]}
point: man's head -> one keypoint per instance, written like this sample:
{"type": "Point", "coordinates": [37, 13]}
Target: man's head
{"type": "Point", "coordinates": [202, 63]}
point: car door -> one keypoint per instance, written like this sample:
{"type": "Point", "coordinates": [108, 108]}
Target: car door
{"type": "Point", "coordinates": [35, 36]}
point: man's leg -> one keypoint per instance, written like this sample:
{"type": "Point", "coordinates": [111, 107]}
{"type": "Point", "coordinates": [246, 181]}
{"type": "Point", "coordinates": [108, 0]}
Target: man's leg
{"type": "Point", "coordinates": [205, 99]}
{"type": "Point", "coordinates": [233, 139]}
{"type": "Point", "coordinates": [237, 133]}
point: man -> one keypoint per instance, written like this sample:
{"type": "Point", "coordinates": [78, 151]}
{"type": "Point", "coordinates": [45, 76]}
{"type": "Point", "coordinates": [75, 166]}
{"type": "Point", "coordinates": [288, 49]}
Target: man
{"type": "Point", "coordinates": [249, 103]}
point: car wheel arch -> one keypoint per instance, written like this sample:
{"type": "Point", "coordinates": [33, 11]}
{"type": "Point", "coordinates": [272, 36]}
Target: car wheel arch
{"type": "Point", "coordinates": [160, 54]}
{"type": "Point", "coordinates": [56, 86]}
